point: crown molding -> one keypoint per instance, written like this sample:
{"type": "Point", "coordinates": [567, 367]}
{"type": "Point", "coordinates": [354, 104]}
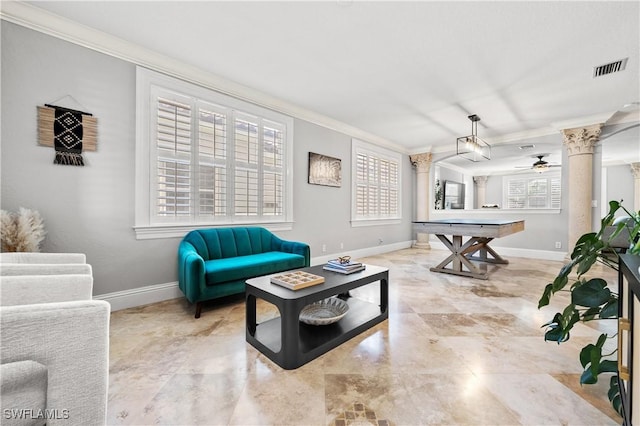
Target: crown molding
{"type": "Point", "coordinates": [583, 121]}
{"type": "Point", "coordinates": [40, 20]}
{"type": "Point", "coordinates": [624, 117]}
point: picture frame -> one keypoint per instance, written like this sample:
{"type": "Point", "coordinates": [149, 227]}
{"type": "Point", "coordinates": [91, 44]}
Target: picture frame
{"type": "Point", "coordinates": [324, 170]}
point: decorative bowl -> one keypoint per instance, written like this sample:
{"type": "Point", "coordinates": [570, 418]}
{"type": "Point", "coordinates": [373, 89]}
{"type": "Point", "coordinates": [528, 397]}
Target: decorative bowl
{"type": "Point", "coordinates": [324, 312]}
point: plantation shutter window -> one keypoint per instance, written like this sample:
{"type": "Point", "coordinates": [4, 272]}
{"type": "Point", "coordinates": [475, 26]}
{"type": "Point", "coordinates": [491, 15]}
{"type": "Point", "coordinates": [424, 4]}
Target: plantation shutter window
{"type": "Point", "coordinates": [541, 192]}
{"type": "Point", "coordinates": [174, 172]}
{"type": "Point", "coordinates": [556, 190]}
{"type": "Point", "coordinates": [209, 162]}
{"type": "Point", "coordinates": [273, 171]}
{"type": "Point", "coordinates": [376, 184]}
{"type": "Point", "coordinates": [212, 155]}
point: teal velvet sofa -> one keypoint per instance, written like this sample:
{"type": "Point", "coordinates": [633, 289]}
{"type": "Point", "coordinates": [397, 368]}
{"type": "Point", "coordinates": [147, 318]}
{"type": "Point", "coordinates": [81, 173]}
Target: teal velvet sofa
{"type": "Point", "coordinates": [216, 262]}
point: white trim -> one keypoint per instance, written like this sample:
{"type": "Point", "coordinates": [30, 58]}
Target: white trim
{"type": "Point", "coordinates": [356, 223]}
{"type": "Point", "coordinates": [54, 25]}
{"type": "Point", "coordinates": [513, 252]}
{"type": "Point", "coordinates": [160, 292]}
{"type": "Point", "coordinates": [583, 121]}
{"type": "Point", "coordinates": [365, 252]}
{"type": "Point", "coordinates": [141, 296]}
{"type": "Point", "coordinates": [443, 214]}
{"type": "Point", "coordinates": [175, 231]}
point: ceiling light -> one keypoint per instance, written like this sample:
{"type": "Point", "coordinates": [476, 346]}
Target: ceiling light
{"type": "Point", "coordinates": [540, 168]}
{"type": "Point", "coordinates": [472, 147]}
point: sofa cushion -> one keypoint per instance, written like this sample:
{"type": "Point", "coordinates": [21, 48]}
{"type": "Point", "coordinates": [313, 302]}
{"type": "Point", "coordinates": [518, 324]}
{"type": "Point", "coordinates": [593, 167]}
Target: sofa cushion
{"type": "Point", "coordinates": [253, 265]}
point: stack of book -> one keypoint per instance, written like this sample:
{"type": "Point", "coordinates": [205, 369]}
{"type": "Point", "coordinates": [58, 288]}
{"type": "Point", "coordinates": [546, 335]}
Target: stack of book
{"type": "Point", "coordinates": [349, 267]}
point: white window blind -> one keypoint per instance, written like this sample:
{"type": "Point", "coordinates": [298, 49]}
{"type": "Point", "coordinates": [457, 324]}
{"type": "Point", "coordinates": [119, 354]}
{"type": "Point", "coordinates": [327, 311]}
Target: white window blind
{"type": "Point", "coordinates": [212, 159]}
{"type": "Point", "coordinates": [540, 192]}
{"type": "Point", "coordinates": [376, 183]}
{"type": "Point", "coordinates": [173, 162]}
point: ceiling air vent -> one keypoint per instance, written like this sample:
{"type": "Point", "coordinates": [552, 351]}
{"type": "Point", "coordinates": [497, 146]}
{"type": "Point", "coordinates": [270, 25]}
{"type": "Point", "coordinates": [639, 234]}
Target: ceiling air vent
{"type": "Point", "coordinates": [610, 68]}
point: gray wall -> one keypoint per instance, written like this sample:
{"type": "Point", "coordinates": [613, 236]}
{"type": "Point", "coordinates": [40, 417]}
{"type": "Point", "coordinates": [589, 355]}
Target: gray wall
{"type": "Point", "coordinates": [619, 186]}
{"type": "Point", "coordinates": [91, 209]}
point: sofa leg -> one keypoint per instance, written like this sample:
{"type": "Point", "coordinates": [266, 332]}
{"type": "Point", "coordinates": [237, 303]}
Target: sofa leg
{"type": "Point", "coordinates": [198, 309]}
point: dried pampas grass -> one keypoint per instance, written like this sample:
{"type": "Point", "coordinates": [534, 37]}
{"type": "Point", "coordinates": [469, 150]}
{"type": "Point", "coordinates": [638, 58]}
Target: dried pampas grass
{"type": "Point", "coordinates": [22, 231]}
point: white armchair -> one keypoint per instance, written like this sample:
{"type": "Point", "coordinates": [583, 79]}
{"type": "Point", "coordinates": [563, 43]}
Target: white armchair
{"type": "Point", "coordinates": [54, 348]}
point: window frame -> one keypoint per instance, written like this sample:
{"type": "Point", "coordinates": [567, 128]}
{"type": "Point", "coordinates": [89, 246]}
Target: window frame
{"type": "Point", "coordinates": [147, 225]}
{"type": "Point", "coordinates": [362, 147]}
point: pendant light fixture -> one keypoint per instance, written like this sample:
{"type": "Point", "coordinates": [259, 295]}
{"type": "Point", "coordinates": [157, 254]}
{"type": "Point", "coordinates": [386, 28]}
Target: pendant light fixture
{"type": "Point", "coordinates": [472, 147]}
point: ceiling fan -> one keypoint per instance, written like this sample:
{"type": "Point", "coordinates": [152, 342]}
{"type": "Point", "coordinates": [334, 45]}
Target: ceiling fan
{"type": "Point", "coordinates": [539, 166]}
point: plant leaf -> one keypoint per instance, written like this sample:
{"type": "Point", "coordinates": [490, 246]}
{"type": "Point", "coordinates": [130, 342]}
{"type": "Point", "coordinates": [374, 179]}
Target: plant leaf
{"type": "Point", "coordinates": [614, 394]}
{"type": "Point", "coordinates": [560, 282]}
{"type": "Point", "coordinates": [608, 366]}
{"type": "Point", "coordinates": [585, 355]}
{"type": "Point", "coordinates": [546, 296]}
{"type": "Point", "coordinates": [591, 294]}
{"type": "Point", "coordinates": [555, 334]}
{"type": "Point", "coordinates": [590, 313]}
{"type": "Point", "coordinates": [601, 340]}
{"type": "Point", "coordinates": [610, 309]}
{"type": "Point", "coordinates": [586, 263]}
{"type": "Point", "coordinates": [587, 377]}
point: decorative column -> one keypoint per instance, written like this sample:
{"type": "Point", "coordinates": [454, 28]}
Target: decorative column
{"type": "Point", "coordinates": [481, 190]}
{"type": "Point", "coordinates": [423, 166]}
{"type": "Point", "coordinates": [580, 143]}
{"type": "Point", "coordinates": [635, 169]}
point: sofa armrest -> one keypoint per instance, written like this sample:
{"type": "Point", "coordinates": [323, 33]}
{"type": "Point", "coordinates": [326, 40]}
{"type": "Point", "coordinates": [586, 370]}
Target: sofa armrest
{"type": "Point", "coordinates": [31, 289]}
{"type": "Point", "coordinates": [72, 340]}
{"type": "Point", "coordinates": [190, 271]}
{"type": "Point", "coordinates": [294, 247]}
{"type": "Point", "coordinates": [45, 269]}
{"type": "Point", "coordinates": [29, 257]}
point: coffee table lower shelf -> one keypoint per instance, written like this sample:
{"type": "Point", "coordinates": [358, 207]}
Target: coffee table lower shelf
{"type": "Point", "coordinates": [315, 340]}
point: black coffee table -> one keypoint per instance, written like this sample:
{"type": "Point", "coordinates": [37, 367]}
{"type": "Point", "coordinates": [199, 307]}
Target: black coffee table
{"type": "Point", "coordinates": [290, 343]}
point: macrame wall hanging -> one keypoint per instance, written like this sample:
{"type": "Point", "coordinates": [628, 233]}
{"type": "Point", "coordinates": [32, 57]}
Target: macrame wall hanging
{"type": "Point", "coordinates": [68, 131]}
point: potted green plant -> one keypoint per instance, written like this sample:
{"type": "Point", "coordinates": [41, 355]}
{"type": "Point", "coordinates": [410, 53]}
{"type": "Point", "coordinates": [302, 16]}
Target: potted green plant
{"type": "Point", "coordinates": [591, 298]}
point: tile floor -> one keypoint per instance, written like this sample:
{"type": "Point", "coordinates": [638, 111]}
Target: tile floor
{"type": "Point", "coordinates": [454, 351]}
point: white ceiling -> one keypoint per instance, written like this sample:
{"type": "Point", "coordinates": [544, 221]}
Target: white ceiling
{"type": "Point", "coordinates": [408, 72]}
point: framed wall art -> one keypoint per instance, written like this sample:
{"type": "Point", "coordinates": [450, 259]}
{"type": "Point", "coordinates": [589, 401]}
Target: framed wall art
{"type": "Point", "coordinates": [325, 170]}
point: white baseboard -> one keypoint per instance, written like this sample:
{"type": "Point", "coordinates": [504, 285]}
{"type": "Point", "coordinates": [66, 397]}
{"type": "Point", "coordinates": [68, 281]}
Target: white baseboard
{"type": "Point", "coordinates": [369, 251]}
{"type": "Point", "coordinates": [141, 296]}
{"type": "Point", "coordinates": [160, 292]}
{"type": "Point", "coordinates": [515, 252]}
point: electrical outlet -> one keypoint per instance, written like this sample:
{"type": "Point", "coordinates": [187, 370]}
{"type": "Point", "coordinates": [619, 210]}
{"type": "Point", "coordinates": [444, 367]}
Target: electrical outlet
{"type": "Point", "coordinates": [558, 244]}
{"type": "Point", "coordinates": [324, 248]}
{"type": "Point", "coordinates": [380, 241]}
{"type": "Point", "coordinates": [341, 246]}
